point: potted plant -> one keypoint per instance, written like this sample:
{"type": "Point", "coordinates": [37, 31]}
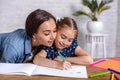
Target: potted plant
{"type": "Point", "coordinates": [96, 7]}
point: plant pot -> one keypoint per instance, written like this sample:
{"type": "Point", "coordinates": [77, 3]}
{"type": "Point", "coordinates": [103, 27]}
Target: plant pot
{"type": "Point", "coordinates": [95, 27]}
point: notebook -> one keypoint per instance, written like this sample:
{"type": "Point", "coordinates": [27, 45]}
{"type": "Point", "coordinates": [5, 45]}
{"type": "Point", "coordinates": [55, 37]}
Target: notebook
{"type": "Point", "coordinates": [118, 59]}
{"type": "Point", "coordinates": [32, 69]}
{"type": "Point", "coordinates": [117, 76]}
{"type": "Point", "coordinates": [107, 63]}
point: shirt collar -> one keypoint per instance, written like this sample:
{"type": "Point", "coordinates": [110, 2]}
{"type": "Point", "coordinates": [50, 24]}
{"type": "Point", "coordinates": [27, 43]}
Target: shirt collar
{"type": "Point", "coordinates": [28, 45]}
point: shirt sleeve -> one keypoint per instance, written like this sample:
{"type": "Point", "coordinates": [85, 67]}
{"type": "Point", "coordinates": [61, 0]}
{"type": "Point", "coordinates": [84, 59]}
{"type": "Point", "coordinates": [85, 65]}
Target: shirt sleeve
{"type": "Point", "coordinates": [71, 49]}
{"type": "Point", "coordinates": [9, 54]}
{"type": "Point", "coordinates": [74, 43]}
{"type": "Point", "coordinates": [50, 52]}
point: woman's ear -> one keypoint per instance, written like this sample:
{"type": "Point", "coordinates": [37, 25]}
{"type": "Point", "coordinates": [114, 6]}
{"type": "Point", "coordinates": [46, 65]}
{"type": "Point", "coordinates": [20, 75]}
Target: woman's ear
{"type": "Point", "coordinates": [34, 37]}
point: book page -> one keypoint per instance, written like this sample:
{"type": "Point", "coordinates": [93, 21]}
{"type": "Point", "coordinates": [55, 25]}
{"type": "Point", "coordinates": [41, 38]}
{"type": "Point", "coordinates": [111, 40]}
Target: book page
{"type": "Point", "coordinates": [74, 71]}
{"type": "Point", "coordinates": [16, 69]}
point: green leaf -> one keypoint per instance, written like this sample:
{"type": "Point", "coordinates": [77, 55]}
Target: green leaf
{"type": "Point", "coordinates": [103, 9]}
{"type": "Point", "coordinates": [79, 13]}
{"type": "Point", "coordinates": [108, 1]}
{"type": "Point", "coordinates": [95, 6]}
{"type": "Point", "coordinates": [88, 4]}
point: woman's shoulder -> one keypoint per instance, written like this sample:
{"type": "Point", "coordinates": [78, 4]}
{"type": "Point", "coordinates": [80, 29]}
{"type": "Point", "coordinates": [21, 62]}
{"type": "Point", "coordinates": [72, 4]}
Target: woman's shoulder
{"type": "Point", "coordinates": [15, 37]}
{"type": "Point", "coordinates": [17, 31]}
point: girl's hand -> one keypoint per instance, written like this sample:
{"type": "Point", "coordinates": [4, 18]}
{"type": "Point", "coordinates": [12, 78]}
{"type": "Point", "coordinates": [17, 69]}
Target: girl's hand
{"type": "Point", "coordinates": [64, 65]}
{"type": "Point", "coordinates": [58, 58]}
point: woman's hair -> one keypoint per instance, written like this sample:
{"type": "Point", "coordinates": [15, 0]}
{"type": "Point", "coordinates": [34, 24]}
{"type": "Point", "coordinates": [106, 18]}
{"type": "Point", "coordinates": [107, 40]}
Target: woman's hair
{"type": "Point", "coordinates": [35, 19]}
{"type": "Point", "coordinates": [67, 22]}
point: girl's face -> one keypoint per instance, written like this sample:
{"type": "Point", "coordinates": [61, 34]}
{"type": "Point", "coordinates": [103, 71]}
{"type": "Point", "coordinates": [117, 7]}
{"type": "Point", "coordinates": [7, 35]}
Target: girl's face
{"type": "Point", "coordinates": [64, 38]}
{"type": "Point", "coordinates": [46, 34]}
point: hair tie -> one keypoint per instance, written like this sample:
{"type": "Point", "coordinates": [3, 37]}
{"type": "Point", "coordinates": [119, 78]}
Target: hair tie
{"type": "Point", "coordinates": [59, 19]}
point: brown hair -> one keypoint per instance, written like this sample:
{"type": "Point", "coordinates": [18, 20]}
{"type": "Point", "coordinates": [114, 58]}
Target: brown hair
{"type": "Point", "coordinates": [67, 22]}
{"type": "Point", "coordinates": [35, 19]}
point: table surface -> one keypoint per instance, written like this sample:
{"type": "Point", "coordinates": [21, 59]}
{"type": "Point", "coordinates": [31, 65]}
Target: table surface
{"type": "Point", "coordinates": [90, 70]}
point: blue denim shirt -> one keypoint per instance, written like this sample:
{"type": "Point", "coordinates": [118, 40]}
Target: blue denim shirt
{"type": "Point", "coordinates": [15, 47]}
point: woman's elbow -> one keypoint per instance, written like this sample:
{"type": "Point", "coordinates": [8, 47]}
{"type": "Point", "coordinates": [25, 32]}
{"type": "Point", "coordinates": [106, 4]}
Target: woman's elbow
{"type": "Point", "coordinates": [35, 60]}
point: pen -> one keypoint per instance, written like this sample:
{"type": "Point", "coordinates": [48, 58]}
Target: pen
{"type": "Point", "coordinates": [112, 70]}
{"type": "Point", "coordinates": [99, 74]}
{"type": "Point", "coordinates": [112, 76]}
{"type": "Point", "coordinates": [63, 58]}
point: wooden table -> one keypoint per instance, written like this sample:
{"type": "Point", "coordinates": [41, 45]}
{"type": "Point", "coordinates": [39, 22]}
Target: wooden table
{"type": "Point", "coordinates": [90, 71]}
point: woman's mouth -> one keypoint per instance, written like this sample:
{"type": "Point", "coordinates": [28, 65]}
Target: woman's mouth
{"type": "Point", "coordinates": [50, 43]}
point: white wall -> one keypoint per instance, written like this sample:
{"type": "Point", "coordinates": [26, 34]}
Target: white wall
{"type": "Point", "coordinates": [13, 14]}
{"type": "Point", "coordinates": [118, 32]}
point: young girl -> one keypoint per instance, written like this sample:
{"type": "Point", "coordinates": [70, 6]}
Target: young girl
{"type": "Point", "coordinates": [66, 44]}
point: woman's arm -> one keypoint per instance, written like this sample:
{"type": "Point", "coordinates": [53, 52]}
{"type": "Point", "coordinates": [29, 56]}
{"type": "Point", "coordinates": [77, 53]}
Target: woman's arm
{"type": "Point", "coordinates": [41, 60]}
{"type": "Point", "coordinates": [82, 57]}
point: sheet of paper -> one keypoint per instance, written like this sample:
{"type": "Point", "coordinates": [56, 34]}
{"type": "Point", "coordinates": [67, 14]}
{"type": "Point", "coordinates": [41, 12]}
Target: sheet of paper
{"type": "Point", "coordinates": [74, 71]}
{"type": "Point", "coordinates": [18, 69]}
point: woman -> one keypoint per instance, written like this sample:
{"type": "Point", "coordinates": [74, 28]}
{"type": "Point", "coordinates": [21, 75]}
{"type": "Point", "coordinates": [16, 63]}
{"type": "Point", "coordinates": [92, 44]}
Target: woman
{"type": "Point", "coordinates": [18, 46]}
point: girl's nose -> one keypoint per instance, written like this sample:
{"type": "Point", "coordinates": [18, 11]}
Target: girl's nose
{"type": "Point", "coordinates": [66, 43]}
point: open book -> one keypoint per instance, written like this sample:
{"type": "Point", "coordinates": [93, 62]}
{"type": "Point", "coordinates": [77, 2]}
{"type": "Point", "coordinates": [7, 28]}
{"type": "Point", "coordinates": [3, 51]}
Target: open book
{"type": "Point", "coordinates": [32, 69]}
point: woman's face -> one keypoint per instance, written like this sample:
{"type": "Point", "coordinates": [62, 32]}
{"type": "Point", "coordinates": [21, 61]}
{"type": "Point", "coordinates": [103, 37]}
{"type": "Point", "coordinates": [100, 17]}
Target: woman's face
{"type": "Point", "coordinates": [64, 38]}
{"type": "Point", "coordinates": [46, 33]}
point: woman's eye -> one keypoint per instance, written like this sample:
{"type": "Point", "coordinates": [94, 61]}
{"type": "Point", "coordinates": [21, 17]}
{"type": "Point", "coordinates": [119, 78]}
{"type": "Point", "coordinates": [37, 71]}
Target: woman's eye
{"type": "Point", "coordinates": [46, 34]}
{"type": "Point", "coordinates": [55, 31]}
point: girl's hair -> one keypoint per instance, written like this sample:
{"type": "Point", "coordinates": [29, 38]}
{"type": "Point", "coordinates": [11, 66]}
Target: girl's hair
{"type": "Point", "coordinates": [35, 19]}
{"type": "Point", "coordinates": [67, 22]}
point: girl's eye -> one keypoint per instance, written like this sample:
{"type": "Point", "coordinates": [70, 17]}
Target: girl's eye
{"type": "Point", "coordinates": [63, 37]}
{"type": "Point", "coordinates": [70, 40]}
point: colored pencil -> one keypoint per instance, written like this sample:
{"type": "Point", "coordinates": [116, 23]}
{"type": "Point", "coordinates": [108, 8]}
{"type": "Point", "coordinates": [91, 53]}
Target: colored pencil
{"type": "Point", "coordinates": [112, 70]}
{"type": "Point", "coordinates": [63, 58]}
{"type": "Point", "coordinates": [99, 74]}
{"type": "Point", "coordinates": [112, 76]}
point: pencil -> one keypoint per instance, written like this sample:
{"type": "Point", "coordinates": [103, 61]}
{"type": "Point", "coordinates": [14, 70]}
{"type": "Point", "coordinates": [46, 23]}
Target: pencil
{"type": "Point", "coordinates": [117, 76]}
{"type": "Point", "coordinates": [112, 76]}
{"type": "Point", "coordinates": [63, 58]}
{"type": "Point", "coordinates": [99, 74]}
{"type": "Point", "coordinates": [112, 70]}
